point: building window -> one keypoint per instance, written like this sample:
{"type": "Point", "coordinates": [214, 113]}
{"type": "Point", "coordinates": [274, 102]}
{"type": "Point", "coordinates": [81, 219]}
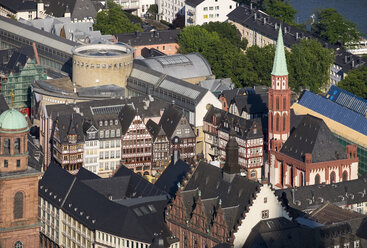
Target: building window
{"type": "Point", "coordinates": [18, 244]}
{"type": "Point", "coordinates": [205, 16]}
{"type": "Point", "coordinates": [18, 205]}
{"type": "Point", "coordinates": [284, 103]}
{"type": "Point", "coordinates": [265, 199]}
{"type": "Point", "coordinates": [6, 163]}
{"type": "Point", "coordinates": [117, 132]}
{"type": "Point", "coordinates": [18, 163]}
{"type": "Point", "coordinates": [283, 122]}
{"type": "Point", "coordinates": [277, 123]}
{"type": "Point", "coordinates": [345, 176]}
{"type": "Point", "coordinates": [332, 177]}
{"type": "Point", "coordinates": [17, 146]}
{"type": "Point", "coordinates": [265, 214]}
{"type": "Point", "coordinates": [317, 179]}
{"type": "Point", "coordinates": [6, 146]}
{"type": "Point", "coordinates": [277, 103]}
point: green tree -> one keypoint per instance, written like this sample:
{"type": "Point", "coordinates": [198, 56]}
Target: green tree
{"type": "Point", "coordinates": [153, 11]}
{"type": "Point", "coordinates": [259, 63]}
{"type": "Point", "coordinates": [114, 21]}
{"type": "Point", "coordinates": [308, 65]}
{"type": "Point", "coordinates": [279, 9]}
{"type": "Point", "coordinates": [332, 27]}
{"type": "Point", "coordinates": [356, 82]}
{"type": "Point", "coordinates": [228, 31]}
{"type": "Point", "coordinates": [225, 59]}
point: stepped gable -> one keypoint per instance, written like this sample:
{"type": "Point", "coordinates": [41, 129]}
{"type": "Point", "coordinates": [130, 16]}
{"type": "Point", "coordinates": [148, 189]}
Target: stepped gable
{"type": "Point", "coordinates": [233, 197]}
{"type": "Point", "coordinates": [314, 137]}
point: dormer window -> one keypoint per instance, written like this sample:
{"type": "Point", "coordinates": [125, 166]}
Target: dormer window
{"type": "Point", "coordinates": [106, 123]}
{"type": "Point", "coordinates": [116, 122]}
{"type": "Point", "coordinates": [100, 123]}
{"type": "Point", "coordinates": [111, 122]}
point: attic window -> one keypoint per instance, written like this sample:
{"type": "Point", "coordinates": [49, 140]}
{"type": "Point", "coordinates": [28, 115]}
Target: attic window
{"type": "Point", "coordinates": [111, 122]}
{"type": "Point", "coordinates": [100, 123]}
{"type": "Point", "coordinates": [116, 122]}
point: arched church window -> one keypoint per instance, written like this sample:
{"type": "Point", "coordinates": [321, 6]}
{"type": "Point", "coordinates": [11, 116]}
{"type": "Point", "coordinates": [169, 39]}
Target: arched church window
{"type": "Point", "coordinates": [18, 205]}
{"type": "Point", "coordinates": [18, 244]}
{"type": "Point", "coordinates": [345, 176]}
{"type": "Point", "coordinates": [317, 179]}
{"type": "Point", "coordinates": [332, 177]}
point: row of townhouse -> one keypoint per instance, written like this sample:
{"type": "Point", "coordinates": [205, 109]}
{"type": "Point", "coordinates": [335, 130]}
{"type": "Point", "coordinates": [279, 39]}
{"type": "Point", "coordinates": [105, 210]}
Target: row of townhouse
{"type": "Point", "coordinates": [84, 210]}
{"type": "Point", "coordinates": [249, 137]}
{"type": "Point", "coordinates": [102, 135]}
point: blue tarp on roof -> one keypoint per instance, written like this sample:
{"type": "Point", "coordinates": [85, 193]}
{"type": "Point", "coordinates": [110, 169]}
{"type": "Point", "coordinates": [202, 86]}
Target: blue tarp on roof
{"type": "Point", "coordinates": [347, 99]}
{"type": "Point", "coordinates": [334, 111]}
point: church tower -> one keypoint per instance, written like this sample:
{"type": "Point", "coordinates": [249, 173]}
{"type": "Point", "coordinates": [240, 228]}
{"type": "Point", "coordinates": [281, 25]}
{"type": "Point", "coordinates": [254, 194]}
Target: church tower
{"type": "Point", "coordinates": [279, 99]}
{"type": "Point", "coordinates": [19, 225]}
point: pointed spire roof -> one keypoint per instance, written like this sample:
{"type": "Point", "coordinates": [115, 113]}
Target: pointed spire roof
{"type": "Point", "coordinates": [280, 64]}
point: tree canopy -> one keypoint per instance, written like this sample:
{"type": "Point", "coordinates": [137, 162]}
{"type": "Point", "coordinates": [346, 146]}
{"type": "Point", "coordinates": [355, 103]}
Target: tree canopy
{"type": "Point", "coordinates": [334, 28]}
{"type": "Point", "coordinates": [308, 62]}
{"type": "Point", "coordinates": [114, 21]}
{"type": "Point", "coordinates": [281, 10]}
{"type": "Point", "coordinates": [227, 31]}
{"type": "Point", "coordinates": [308, 65]}
{"type": "Point", "coordinates": [356, 82]}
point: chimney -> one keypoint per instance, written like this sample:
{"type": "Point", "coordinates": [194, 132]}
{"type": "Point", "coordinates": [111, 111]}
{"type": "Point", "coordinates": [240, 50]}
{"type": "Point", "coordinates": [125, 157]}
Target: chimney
{"type": "Point", "coordinates": [346, 59]}
{"type": "Point", "coordinates": [308, 158]}
{"type": "Point", "coordinates": [264, 20]}
{"type": "Point", "coordinates": [353, 63]}
{"type": "Point", "coordinates": [250, 5]}
{"type": "Point", "coordinates": [297, 36]}
{"type": "Point", "coordinates": [176, 153]}
{"type": "Point", "coordinates": [275, 26]}
{"type": "Point", "coordinates": [255, 16]}
{"type": "Point", "coordinates": [293, 197]}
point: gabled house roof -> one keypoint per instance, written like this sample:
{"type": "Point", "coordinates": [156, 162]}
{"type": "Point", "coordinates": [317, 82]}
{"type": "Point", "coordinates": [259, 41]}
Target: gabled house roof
{"type": "Point", "coordinates": [79, 9]}
{"type": "Point", "coordinates": [170, 119]}
{"type": "Point", "coordinates": [314, 137]}
{"type": "Point", "coordinates": [70, 125]}
{"type": "Point", "coordinates": [154, 129]}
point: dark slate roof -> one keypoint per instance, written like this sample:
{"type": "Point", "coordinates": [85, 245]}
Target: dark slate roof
{"type": "Point", "coordinates": [115, 187]}
{"type": "Point", "coordinates": [70, 124]}
{"type": "Point", "coordinates": [329, 213]}
{"type": "Point", "coordinates": [235, 195]}
{"type": "Point", "coordinates": [19, 5]}
{"type": "Point", "coordinates": [170, 119]}
{"type": "Point", "coordinates": [126, 116]}
{"type": "Point", "coordinates": [152, 52]}
{"type": "Point", "coordinates": [282, 233]}
{"type": "Point", "coordinates": [230, 94]}
{"type": "Point", "coordinates": [194, 3]}
{"type": "Point", "coordinates": [347, 99]}
{"type": "Point", "coordinates": [138, 186]}
{"type": "Point", "coordinates": [252, 104]}
{"type": "Point", "coordinates": [245, 16]}
{"type": "Point", "coordinates": [3, 104]}
{"type": "Point", "coordinates": [314, 137]}
{"type": "Point", "coordinates": [139, 221]}
{"type": "Point", "coordinates": [246, 128]}
{"type": "Point", "coordinates": [311, 197]}
{"type": "Point", "coordinates": [84, 174]}
{"type": "Point", "coordinates": [19, 58]}
{"type": "Point", "coordinates": [149, 38]}
{"type": "Point", "coordinates": [171, 176]}
{"type": "Point", "coordinates": [57, 181]}
{"type": "Point", "coordinates": [334, 111]}
{"type": "Point", "coordinates": [154, 129]}
{"type": "Point", "coordinates": [79, 9]}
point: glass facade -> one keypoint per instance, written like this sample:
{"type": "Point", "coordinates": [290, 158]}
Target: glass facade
{"type": "Point", "coordinates": [361, 153]}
